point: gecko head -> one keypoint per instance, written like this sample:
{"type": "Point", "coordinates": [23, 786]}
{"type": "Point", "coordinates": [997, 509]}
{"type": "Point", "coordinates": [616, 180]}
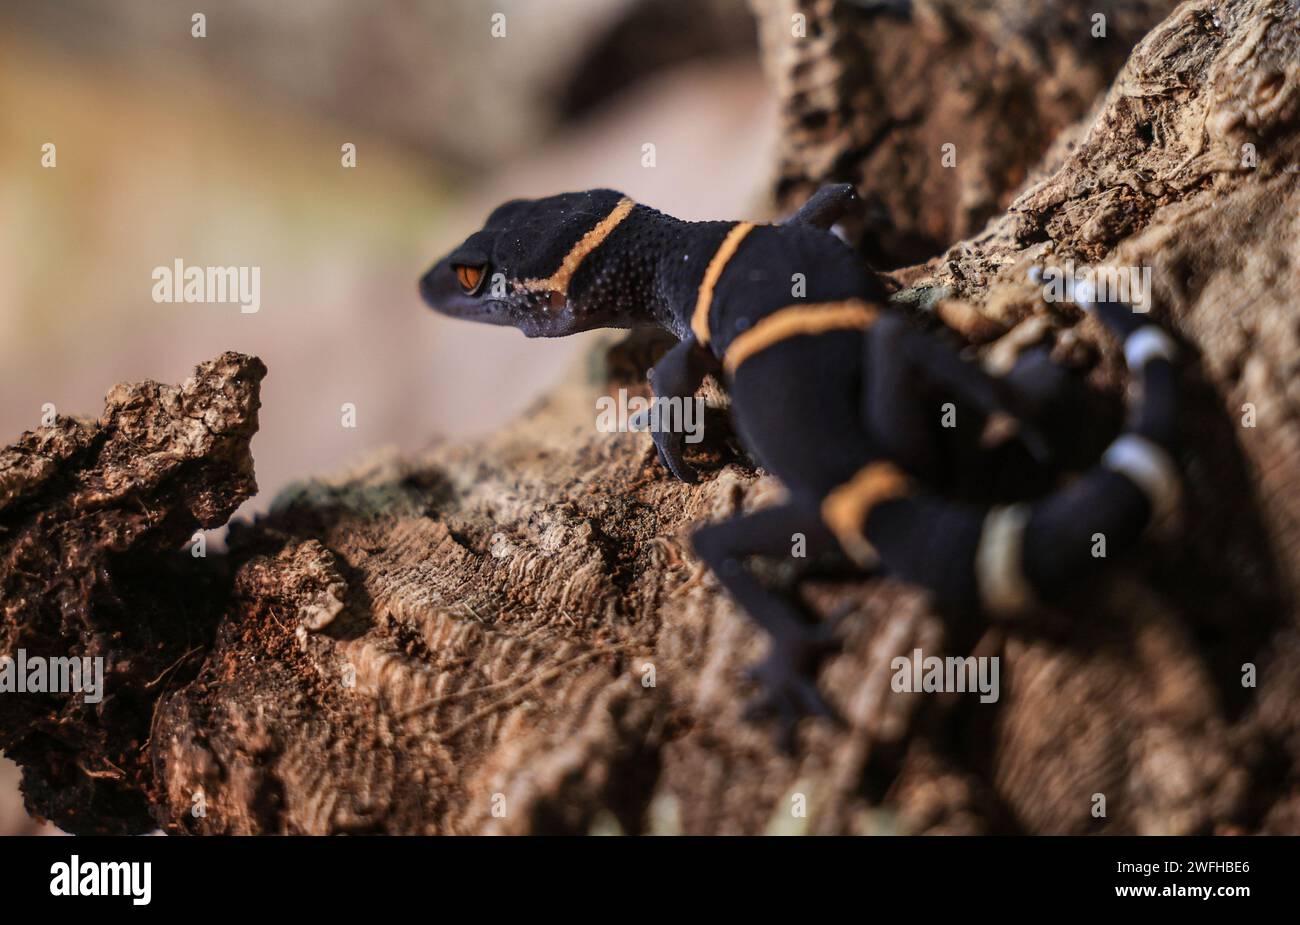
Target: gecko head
{"type": "Point", "coordinates": [517, 268]}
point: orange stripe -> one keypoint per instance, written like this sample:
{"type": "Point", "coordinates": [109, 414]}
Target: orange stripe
{"type": "Point", "coordinates": [560, 279]}
{"type": "Point", "coordinates": [815, 318]}
{"type": "Point", "coordinates": [846, 509]}
{"type": "Point", "coordinates": [704, 300]}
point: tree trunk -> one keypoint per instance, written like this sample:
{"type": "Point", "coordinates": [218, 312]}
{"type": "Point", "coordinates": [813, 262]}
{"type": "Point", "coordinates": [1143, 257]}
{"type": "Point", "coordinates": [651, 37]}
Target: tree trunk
{"type": "Point", "coordinates": [514, 636]}
{"type": "Point", "coordinates": [937, 116]}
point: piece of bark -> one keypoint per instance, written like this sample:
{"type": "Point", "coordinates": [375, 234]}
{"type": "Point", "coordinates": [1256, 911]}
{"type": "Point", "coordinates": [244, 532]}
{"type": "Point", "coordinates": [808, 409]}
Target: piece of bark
{"type": "Point", "coordinates": [93, 518]}
{"type": "Point", "coordinates": [871, 96]}
{"type": "Point", "coordinates": [513, 636]}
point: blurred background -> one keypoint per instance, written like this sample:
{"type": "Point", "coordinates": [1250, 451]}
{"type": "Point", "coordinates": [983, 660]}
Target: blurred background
{"type": "Point", "coordinates": [226, 150]}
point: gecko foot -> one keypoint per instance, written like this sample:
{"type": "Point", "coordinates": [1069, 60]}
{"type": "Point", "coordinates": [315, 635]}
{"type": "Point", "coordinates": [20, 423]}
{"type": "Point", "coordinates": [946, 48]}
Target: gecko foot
{"type": "Point", "coordinates": [787, 678]}
{"type": "Point", "coordinates": [670, 446]}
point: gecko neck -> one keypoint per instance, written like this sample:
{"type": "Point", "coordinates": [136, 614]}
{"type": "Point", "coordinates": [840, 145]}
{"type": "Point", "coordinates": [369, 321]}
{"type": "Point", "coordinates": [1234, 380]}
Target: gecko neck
{"type": "Point", "coordinates": [644, 280]}
{"type": "Point", "coordinates": [681, 260]}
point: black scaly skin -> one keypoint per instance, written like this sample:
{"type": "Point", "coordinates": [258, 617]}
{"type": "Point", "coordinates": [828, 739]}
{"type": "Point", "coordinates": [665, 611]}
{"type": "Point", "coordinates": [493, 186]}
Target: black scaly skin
{"type": "Point", "coordinates": [812, 409]}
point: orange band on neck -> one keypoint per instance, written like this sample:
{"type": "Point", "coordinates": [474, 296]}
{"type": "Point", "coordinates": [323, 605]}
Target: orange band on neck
{"type": "Point", "coordinates": [721, 257]}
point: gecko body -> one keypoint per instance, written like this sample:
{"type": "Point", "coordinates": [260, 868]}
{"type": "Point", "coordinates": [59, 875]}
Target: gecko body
{"type": "Point", "coordinates": [834, 393]}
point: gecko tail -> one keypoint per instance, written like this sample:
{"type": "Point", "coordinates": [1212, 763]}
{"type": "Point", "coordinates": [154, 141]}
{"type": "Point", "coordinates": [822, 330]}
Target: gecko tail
{"type": "Point", "coordinates": [1007, 558]}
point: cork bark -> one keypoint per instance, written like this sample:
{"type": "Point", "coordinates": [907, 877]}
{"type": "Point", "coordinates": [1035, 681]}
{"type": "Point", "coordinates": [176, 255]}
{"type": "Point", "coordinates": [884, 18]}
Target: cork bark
{"type": "Point", "coordinates": [879, 99]}
{"type": "Point", "coordinates": [513, 636]}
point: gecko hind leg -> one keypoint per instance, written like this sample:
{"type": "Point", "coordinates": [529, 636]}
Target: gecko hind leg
{"type": "Point", "coordinates": [825, 207]}
{"type": "Point", "coordinates": [900, 361]}
{"type": "Point", "coordinates": [787, 675]}
{"type": "Point", "coordinates": [1052, 398]}
{"type": "Point", "coordinates": [1041, 386]}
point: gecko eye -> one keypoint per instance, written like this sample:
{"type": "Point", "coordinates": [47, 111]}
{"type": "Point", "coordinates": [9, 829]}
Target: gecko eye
{"type": "Point", "coordinates": [470, 277]}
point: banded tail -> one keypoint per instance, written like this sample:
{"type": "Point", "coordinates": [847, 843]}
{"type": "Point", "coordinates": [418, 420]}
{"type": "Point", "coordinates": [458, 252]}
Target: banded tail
{"type": "Point", "coordinates": [1008, 557]}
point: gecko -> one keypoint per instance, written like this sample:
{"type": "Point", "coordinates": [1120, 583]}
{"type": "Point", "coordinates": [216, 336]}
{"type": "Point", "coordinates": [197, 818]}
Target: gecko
{"type": "Point", "coordinates": [834, 392]}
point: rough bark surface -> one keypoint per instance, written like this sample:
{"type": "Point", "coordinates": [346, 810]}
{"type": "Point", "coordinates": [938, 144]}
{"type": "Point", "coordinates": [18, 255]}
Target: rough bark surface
{"type": "Point", "coordinates": [93, 517]}
{"type": "Point", "coordinates": [872, 97]}
{"type": "Point", "coordinates": [513, 636]}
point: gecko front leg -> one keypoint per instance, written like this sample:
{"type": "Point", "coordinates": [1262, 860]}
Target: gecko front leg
{"type": "Point", "coordinates": [788, 675]}
{"type": "Point", "coordinates": [678, 375]}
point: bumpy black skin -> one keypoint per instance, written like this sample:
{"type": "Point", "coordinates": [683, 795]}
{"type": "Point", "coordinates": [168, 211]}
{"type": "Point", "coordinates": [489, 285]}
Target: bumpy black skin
{"type": "Point", "coordinates": [812, 410]}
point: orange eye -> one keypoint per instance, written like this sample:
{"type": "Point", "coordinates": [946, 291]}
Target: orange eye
{"type": "Point", "coordinates": [469, 277]}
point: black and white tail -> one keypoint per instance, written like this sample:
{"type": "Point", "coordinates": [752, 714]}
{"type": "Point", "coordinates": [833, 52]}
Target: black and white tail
{"type": "Point", "coordinates": [1008, 557]}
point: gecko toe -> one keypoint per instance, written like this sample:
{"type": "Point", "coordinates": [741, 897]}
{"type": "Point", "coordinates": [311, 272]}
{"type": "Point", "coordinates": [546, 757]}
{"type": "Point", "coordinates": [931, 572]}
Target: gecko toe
{"type": "Point", "coordinates": [788, 686]}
